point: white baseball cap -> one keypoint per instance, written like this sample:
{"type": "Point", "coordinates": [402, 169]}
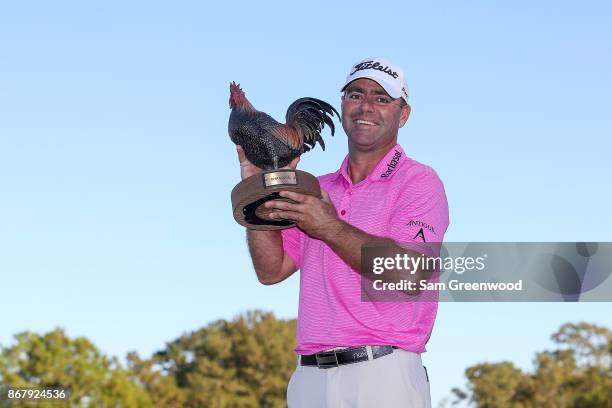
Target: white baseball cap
{"type": "Point", "coordinates": [384, 72]}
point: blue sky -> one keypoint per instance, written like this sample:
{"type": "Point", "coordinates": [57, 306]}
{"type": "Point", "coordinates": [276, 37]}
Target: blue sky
{"type": "Point", "coordinates": [116, 167]}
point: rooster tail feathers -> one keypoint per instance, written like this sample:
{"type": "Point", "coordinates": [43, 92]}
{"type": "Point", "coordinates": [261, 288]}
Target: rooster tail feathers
{"type": "Point", "coordinates": [309, 116]}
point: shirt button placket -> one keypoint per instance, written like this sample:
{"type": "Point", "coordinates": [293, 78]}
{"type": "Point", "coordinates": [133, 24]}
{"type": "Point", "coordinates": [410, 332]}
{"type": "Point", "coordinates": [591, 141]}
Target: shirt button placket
{"type": "Point", "coordinates": [345, 204]}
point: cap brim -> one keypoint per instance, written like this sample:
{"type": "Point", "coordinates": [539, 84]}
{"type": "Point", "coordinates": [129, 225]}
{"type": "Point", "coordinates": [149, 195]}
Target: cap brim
{"type": "Point", "coordinates": [386, 86]}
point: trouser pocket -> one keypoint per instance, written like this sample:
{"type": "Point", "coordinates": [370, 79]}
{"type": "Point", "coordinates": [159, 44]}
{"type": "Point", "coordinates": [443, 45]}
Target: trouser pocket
{"type": "Point", "coordinates": [415, 377]}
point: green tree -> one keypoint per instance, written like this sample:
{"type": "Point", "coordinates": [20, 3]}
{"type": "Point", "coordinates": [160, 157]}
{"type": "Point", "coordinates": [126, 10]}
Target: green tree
{"type": "Point", "coordinates": [245, 363]}
{"type": "Point", "coordinates": [55, 360]}
{"type": "Point", "coordinates": [576, 375]}
{"type": "Point", "coordinates": [496, 385]}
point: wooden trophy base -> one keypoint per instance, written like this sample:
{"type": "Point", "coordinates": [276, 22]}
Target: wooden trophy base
{"type": "Point", "coordinates": [250, 194]}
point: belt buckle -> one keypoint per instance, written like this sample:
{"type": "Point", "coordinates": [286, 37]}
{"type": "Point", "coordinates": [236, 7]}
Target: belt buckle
{"type": "Point", "coordinates": [327, 359]}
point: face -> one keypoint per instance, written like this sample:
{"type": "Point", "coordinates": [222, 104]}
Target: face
{"type": "Point", "coordinates": [370, 117]}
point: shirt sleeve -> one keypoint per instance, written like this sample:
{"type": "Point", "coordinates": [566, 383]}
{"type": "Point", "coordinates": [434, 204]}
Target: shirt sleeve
{"type": "Point", "coordinates": [292, 239]}
{"type": "Point", "coordinates": [420, 217]}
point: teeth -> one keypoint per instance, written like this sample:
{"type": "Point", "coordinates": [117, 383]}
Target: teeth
{"type": "Point", "coordinates": [364, 122]}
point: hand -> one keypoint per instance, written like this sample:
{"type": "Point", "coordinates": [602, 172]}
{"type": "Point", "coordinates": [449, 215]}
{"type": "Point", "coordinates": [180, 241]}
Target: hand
{"type": "Point", "coordinates": [315, 216]}
{"type": "Point", "coordinates": [248, 169]}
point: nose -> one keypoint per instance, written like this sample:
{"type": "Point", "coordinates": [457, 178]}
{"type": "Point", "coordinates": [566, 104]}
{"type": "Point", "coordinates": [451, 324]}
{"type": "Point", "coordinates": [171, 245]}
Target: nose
{"type": "Point", "coordinates": [366, 105]}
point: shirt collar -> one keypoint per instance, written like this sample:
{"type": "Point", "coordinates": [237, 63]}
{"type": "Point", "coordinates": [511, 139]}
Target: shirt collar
{"type": "Point", "coordinates": [384, 170]}
{"type": "Point", "coordinates": [387, 167]}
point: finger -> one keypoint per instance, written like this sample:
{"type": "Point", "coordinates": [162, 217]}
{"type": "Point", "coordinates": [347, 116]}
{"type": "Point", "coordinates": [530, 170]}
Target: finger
{"type": "Point", "coordinates": [282, 205]}
{"type": "Point", "coordinates": [297, 197]}
{"type": "Point", "coordinates": [286, 215]}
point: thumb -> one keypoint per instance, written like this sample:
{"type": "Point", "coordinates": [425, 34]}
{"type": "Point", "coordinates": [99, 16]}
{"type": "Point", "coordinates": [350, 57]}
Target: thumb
{"type": "Point", "coordinates": [325, 196]}
{"type": "Point", "coordinates": [241, 155]}
{"type": "Point", "coordinates": [294, 163]}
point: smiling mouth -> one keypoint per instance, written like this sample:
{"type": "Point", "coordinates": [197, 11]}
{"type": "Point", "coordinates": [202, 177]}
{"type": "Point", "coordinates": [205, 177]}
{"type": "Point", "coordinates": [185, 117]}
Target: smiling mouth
{"type": "Point", "coordinates": [364, 122]}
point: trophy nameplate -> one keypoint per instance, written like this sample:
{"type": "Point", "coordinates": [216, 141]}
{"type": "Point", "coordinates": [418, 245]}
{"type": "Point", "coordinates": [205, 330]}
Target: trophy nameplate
{"type": "Point", "coordinates": [274, 178]}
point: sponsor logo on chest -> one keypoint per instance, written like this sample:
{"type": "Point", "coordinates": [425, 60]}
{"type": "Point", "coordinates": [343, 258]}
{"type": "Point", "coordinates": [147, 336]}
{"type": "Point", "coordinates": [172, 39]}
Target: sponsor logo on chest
{"type": "Point", "coordinates": [392, 164]}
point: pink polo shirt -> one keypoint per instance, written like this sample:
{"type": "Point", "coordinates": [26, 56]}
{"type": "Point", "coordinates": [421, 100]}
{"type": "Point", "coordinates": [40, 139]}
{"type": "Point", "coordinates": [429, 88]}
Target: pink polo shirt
{"type": "Point", "coordinates": [401, 199]}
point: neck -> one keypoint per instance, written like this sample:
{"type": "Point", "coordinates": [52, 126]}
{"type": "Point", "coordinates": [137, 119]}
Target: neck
{"type": "Point", "coordinates": [362, 163]}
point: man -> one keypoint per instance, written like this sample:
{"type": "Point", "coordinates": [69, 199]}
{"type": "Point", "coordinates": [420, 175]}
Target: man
{"type": "Point", "coordinates": [353, 353]}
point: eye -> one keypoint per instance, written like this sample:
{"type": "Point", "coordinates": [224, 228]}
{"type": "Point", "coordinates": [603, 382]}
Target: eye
{"type": "Point", "coordinates": [354, 96]}
{"type": "Point", "coordinates": [382, 99]}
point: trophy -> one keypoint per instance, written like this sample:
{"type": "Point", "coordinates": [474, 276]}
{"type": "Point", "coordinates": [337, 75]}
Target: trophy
{"type": "Point", "coordinates": [271, 145]}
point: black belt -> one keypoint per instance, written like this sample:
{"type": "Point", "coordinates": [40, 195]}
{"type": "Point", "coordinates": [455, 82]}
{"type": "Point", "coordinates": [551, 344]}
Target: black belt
{"type": "Point", "coordinates": [335, 358]}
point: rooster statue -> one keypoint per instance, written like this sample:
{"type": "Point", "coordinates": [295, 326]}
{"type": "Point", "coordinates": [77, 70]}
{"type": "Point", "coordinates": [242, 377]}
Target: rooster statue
{"type": "Point", "coordinates": [270, 145]}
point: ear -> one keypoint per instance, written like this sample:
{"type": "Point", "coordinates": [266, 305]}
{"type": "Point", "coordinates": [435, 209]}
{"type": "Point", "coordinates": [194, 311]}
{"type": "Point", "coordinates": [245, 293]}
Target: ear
{"type": "Point", "coordinates": [342, 99]}
{"type": "Point", "coordinates": [404, 115]}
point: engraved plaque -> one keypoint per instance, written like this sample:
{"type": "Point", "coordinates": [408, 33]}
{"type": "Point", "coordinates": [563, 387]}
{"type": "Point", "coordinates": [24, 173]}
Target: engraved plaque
{"type": "Point", "coordinates": [279, 177]}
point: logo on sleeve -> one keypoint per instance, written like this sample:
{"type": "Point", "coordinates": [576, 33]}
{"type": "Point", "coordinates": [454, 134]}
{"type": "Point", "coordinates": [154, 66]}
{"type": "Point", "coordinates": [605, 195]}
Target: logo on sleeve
{"type": "Point", "coordinates": [420, 234]}
{"type": "Point", "coordinates": [423, 226]}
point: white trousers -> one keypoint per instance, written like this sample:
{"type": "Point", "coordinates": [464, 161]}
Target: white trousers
{"type": "Point", "coordinates": [393, 381]}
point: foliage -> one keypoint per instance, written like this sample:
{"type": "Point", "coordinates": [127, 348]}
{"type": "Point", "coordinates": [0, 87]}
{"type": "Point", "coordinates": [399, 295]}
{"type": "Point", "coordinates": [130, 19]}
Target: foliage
{"type": "Point", "coordinates": [576, 375]}
{"type": "Point", "coordinates": [247, 362]}
{"type": "Point", "coordinates": [54, 360]}
{"type": "Point", "coordinates": [243, 363]}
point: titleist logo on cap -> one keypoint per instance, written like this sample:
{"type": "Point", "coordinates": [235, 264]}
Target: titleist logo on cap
{"type": "Point", "coordinates": [377, 66]}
